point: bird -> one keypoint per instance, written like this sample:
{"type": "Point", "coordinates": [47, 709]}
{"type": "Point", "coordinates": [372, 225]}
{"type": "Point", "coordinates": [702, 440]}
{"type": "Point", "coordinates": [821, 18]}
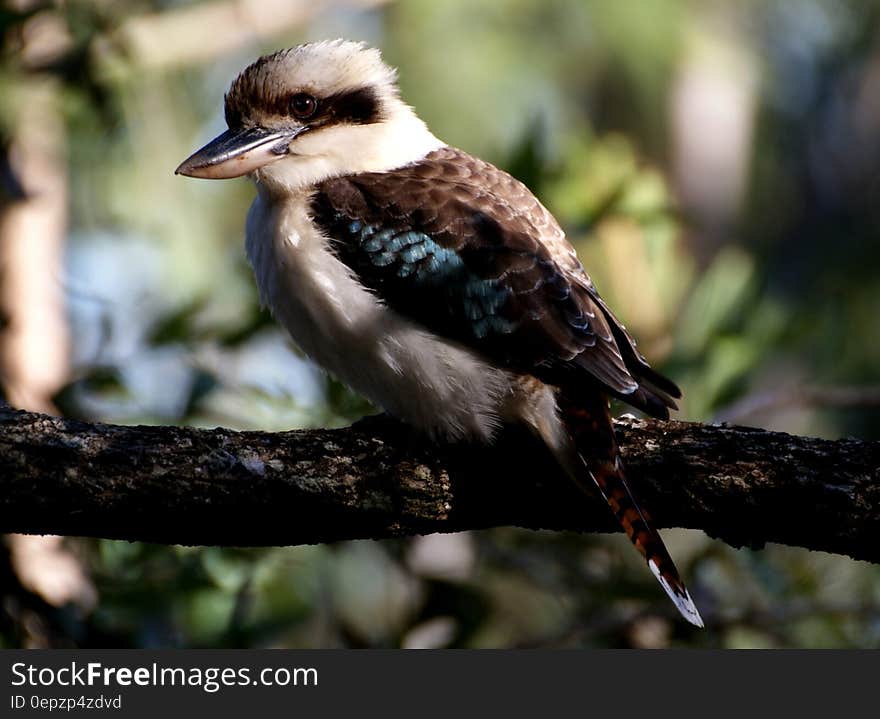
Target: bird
{"type": "Point", "coordinates": [429, 281]}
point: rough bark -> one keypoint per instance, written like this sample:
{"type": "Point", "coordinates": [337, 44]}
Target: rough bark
{"type": "Point", "coordinates": [191, 486]}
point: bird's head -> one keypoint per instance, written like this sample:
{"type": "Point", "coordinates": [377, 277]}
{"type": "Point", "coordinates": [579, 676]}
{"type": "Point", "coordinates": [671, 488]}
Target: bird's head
{"type": "Point", "coordinates": [311, 112]}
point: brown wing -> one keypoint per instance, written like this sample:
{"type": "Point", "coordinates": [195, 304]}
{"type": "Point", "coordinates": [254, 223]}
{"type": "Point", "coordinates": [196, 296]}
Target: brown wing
{"type": "Point", "coordinates": [466, 250]}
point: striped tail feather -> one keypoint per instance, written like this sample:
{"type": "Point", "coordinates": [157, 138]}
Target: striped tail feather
{"type": "Point", "coordinates": [597, 464]}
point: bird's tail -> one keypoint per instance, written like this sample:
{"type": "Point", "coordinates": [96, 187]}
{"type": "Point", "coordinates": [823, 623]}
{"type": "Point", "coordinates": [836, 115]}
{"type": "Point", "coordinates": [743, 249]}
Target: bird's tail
{"type": "Point", "coordinates": [596, 463]}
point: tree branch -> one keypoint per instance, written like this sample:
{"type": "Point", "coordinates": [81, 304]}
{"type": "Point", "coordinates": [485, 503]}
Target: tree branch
{"type": "Point", "coordinates": [190, 486]}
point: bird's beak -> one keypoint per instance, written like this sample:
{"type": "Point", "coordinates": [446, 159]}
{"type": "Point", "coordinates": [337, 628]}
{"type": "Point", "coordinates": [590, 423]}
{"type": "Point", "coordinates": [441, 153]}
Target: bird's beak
{"type": "Point", "coordinates": [238, 152]}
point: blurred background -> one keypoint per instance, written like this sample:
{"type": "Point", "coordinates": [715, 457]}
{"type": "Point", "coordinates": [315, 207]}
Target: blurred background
{"type": "Point", "coordinates": [716, 164]}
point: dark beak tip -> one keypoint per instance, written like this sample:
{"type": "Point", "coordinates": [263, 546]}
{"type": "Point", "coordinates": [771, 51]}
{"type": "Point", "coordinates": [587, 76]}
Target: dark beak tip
{"type": "Point", "coordinates": [187, 167]}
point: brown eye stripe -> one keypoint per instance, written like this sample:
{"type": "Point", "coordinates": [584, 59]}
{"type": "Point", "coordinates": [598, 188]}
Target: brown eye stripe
{"type": "Point", "coordinates": [359, 106]}
{"type": "Point", "coordinates": [354, 107]}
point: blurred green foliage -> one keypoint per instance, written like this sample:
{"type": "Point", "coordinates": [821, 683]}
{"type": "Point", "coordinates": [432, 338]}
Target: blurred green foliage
{"type": "Point", "coordinates": [742, 301]}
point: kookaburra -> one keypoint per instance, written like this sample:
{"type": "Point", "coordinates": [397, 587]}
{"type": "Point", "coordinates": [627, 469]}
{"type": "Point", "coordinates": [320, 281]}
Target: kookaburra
{"type": "Point", "coordinates": [429, 281]}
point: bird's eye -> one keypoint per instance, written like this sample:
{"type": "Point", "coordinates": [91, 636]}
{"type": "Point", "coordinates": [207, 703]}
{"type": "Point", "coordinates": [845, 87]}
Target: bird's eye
{"type": "Point", "coordinates": [303, 105]}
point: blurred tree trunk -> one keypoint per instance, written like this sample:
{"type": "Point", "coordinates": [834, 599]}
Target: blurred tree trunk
{"type": "Point", "coordinates": [35, 342]}
{"type": "Point", "coordinates": [34, 345]}
{"type": "Point", "coordinates": [712, 108]}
